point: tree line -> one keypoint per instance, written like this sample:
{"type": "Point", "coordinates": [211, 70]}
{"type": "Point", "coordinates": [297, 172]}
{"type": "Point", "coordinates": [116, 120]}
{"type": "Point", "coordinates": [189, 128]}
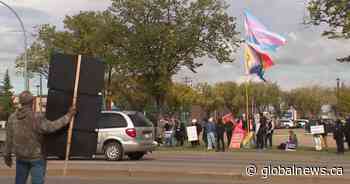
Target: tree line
{"type": "Point", "coordinates": [231, 97]}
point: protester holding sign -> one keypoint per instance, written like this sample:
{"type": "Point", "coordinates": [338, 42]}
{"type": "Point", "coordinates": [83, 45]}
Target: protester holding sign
{"type": "Point", "coordinates": [193, 132]}
{"type": "Point", "coordinates": [25, 132]}
{"type": "Point", "coordinates": [317, 132]}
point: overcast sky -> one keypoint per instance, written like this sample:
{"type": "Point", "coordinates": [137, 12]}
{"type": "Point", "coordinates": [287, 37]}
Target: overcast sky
{"type": "Point", "coordinates": [307, 59]}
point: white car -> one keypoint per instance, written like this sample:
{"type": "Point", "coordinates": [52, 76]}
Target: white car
{"type": "Point", "coordinates": [286, 123]}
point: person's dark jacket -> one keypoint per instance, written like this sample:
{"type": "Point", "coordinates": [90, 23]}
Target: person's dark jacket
{"type": "Point", "coordinates": [198, 128]}
{"type": "Point", "coordinates": [210, 127]}
{"type": "Point", "coordinates": [25, 133]}
{"type": "Point", "coordinates": [167, 126]}
{"type": "Point", "coordinates": [269, 127]}
{"type": "Point", "coordinates": [263, 127]}
{"type": "Point", "coordinates": [180, 130]}
{"type": "Point", "coordinates": [338, 133]}
{"type": "Point", "coordinates": [220, 129]}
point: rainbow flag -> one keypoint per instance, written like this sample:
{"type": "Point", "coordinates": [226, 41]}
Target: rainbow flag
{"type": "Point", "coordinates": [259, 42]}
{"type": "Point", "coordinates": [255, 62]}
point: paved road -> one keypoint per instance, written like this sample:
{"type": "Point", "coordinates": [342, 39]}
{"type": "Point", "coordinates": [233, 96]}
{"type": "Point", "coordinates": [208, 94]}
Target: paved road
{"type": "Point", "coordinates": [192, 167]}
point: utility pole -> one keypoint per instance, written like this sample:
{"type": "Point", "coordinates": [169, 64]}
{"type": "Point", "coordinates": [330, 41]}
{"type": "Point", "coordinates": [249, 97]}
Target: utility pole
{"type": "Point", "coordinates": [41, 93]}
{"type": "Point", "coordinates": [188, 82]}
{"type": "Point", "coordinates": [337, 107]}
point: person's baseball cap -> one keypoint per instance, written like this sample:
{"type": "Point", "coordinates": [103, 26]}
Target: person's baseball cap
{"type": "Point", "coordinates": [26, 98]}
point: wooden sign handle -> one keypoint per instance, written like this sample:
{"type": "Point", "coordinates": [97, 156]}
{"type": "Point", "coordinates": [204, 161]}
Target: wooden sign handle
{"type": "Point", "coordinates": [71, 123]}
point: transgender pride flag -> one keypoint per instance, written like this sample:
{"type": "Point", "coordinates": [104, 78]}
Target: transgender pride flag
{"type": "Point", "coordinates": [259, 35]}
{"type": "Point", "coordinates": [259, 42]}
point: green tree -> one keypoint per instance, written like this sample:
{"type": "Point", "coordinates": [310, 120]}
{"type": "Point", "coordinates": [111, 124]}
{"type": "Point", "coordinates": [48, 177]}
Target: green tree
{"type": "Point", "coordinates": [129, 93]}
{"type": "Point", "coordinates": [264, 96]}
{"type": "Point", "coordinates": [167, 35]}
{"type": "Point", "coordinates": [90, 33]}
{"type": "Point", "coordinates": [231, 95]}
{"type": "Point", "coordinates": [39, 52]}
{"type": "Point", "coordinates": [180, 98]}
{"type": "Point", "coordinates": [309, 100]}
{"type": "Point", "coordinates": [343, 106]}
{"type": "Point", "coordinates": [207, 98]}
{"type": "Point", "coordinates": [335, 14]}
{"type": "Point", "coordinates": [6, 103]}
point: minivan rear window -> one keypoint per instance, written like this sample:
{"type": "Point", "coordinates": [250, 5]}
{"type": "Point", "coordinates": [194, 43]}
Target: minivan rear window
{"type": "Point", "coordinates": [109, 120]}
{"type": "Point", "coordinates": [140, 120]}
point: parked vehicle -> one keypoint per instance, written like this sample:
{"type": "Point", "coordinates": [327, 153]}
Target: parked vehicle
{"type": "Point", "coordinates": [124, 133]}
{"type": "Point", "coordinates": [301, 123]}
{"type": "Point", "coordinates": [286, 123]}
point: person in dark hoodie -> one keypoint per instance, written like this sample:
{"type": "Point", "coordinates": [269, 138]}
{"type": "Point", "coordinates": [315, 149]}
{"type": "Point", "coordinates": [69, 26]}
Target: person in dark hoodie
{"type": "Point", "coordinates": [220, 132]}
{"type": "Point", "coordinates": [229, 129]}
{"type": "Point", "coordinates": [338, 135]}
{"type": "Point", "coordinates": [204, 135]}
{"type": "Point", "coordinates": [262, 132]}
{"type": "Point", "coordinates": [25, 136]}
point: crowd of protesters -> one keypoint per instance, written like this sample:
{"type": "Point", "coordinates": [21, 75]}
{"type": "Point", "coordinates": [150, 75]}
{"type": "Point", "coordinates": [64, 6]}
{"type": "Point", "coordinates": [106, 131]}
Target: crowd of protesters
{"type": "Point", "coordinates": [211, 133]}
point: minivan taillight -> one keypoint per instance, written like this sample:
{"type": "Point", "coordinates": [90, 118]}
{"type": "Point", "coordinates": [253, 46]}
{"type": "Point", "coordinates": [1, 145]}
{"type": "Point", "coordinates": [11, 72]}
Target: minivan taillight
{"type": "Point", "coordinates": [131, 132]}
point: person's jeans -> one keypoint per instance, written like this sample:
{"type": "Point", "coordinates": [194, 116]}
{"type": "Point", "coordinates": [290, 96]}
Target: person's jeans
{"type": "Point", "coordinates": [168, 138]}
{"type": "Point", "coordinates": [36, 168]}
{"type": "Point", "coordinates": [211, 140]}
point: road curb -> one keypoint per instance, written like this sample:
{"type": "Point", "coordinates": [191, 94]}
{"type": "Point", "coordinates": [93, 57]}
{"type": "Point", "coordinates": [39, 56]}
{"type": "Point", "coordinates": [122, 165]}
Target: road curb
{"type": "Point", "coordinates": [131, 172]}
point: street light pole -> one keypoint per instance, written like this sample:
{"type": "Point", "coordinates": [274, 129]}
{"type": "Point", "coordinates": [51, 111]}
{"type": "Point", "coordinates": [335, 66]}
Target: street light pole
{"type": "Point", "coordinates": [26, 84]}
{"type": "Point", "coordinates": [337, 108]}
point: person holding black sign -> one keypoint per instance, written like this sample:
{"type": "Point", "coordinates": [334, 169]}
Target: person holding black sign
{"type": "Point", "coordinates": [25, 137]}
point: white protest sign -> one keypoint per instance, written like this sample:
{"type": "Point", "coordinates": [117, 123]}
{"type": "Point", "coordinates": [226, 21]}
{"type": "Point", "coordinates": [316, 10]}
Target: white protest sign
{"type": "Point", "coordinates": [192, 133]}
{"type": "Point", "coordinates": [317, 129]}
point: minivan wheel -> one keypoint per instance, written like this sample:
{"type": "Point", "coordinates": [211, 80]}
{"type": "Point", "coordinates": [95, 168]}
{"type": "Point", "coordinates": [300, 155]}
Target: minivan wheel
{"type": "Point", "coordinates": [136, 156]}
{"type": "Point", "coordinates": [113, 151]}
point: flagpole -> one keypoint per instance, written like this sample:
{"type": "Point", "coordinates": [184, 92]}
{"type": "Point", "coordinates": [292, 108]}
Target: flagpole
{"type": "Point", "coordinates": [247, 93]}
{"type": "Point", "coordinates": [247, 103]}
